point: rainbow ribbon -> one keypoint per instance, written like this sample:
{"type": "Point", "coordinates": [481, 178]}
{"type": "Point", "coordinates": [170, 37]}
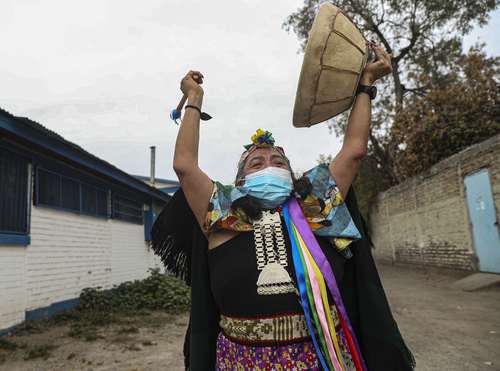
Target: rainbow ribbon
{"type": "Point", "coordinates": [313, 270]}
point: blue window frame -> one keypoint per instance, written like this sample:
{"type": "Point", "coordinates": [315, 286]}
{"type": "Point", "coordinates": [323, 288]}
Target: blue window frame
{"type": "Point", "coordinates": [14, 199]}
{"type": "Point", "coordinates": [127, 210]}
{"type": "Point", "coordinates": [65, 193]}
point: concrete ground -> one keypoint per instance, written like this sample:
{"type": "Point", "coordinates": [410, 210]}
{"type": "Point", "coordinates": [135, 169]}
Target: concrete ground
{"type": "Point", "coordinates": [446, 329]}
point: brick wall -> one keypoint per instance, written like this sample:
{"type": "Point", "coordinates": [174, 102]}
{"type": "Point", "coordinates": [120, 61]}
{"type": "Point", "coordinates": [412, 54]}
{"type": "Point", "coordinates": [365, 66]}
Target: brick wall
{"type": "Point", "coordinates": [425, 219]}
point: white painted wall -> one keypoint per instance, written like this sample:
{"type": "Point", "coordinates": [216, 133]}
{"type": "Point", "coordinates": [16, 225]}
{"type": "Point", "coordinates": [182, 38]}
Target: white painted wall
{"type": "Point", "coordinates": [68, 252]}
{"type": "Point", "coordinates": [12, 285]}
{"type": "Point", "coordinates": [130, 255]}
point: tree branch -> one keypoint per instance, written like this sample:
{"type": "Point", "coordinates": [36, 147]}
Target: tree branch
{"type": "Point", "coordinates": [420, 90]}
{"type": "Point", "coordinates": [415, 33]}
{"type": "Point", "coordinates": [372, 25]}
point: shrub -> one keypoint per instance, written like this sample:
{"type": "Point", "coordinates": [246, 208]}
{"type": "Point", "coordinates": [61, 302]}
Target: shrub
{"type": "Point", "coordinates": [156, 292]}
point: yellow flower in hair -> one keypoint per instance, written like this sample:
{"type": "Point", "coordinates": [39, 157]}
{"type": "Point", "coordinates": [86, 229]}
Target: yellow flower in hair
{"type": "Point", "coordinates": [262, 138]}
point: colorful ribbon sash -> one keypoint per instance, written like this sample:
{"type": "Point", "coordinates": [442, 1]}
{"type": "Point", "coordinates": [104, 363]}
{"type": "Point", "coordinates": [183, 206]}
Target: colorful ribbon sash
{"type": "Point", "coordinates": [313, 270]}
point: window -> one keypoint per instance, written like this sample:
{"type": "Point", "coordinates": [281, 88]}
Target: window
{"type": "Point", "coordinates": [14, 177]}
{"type": "Point", "coordinates": [127, 210]}
{"type": "Point", "coordinates": [49, 190]}
{"type": "Point", "coordinates": [102, 202]}
{"type": "Point", "coordinates": [65, 193]}
{"type": "Point", "coordinates": [70, 198]}
{"type": "Point", "coordinates": [89, 200]}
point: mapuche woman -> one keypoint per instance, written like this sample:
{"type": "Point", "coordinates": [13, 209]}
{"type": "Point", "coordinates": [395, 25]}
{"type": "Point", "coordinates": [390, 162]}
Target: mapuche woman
{"type": "Point", "coordinates": [280, 269]}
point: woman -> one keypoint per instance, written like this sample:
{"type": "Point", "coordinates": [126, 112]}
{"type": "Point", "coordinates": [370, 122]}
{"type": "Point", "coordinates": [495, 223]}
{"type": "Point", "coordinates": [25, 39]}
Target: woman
{"type": "Point", "coordinates": [280, 269]}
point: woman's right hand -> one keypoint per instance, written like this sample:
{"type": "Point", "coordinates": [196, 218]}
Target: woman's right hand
{"type": "Point", "coordinates": [190, 84]}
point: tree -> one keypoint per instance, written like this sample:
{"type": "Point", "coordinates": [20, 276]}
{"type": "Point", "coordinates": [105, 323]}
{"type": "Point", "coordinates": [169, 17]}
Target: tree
{"type": "Point", "coordinates": [451, 116]}
{"type": "Point", "coordinates": [424, 37]}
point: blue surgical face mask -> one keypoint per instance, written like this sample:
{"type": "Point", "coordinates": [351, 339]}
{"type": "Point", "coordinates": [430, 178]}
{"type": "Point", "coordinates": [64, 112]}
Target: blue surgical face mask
{"type": "Point", "coordinates": [272, 186]}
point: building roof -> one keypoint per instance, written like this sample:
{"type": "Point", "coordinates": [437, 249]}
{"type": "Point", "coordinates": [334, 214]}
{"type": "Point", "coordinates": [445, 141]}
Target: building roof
{"type": "Point", "coordinates": [38, 135]}
{"type": "Point", "coordinates": [162, 180]}
{"type": "Point", "coordinates": [168, 186]}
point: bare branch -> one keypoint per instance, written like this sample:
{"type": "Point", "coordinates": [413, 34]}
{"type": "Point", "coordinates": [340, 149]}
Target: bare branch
{"type": "Point", "coordinates": [420, 91]}
{"type": "Point", "coordinates": [415, 33]}
{"type": "Point", "coordinates": [371, 25]}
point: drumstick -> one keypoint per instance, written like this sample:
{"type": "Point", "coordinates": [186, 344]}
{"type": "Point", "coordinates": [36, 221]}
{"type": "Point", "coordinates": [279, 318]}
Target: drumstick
{"type": "Point", "coordinates": [175, 114]}
{"type": "Point", "coordinates": [182, 102]}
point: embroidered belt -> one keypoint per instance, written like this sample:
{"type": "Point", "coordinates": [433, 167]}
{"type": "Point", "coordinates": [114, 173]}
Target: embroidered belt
{"type": "Point", "coordinates": [280, 328]}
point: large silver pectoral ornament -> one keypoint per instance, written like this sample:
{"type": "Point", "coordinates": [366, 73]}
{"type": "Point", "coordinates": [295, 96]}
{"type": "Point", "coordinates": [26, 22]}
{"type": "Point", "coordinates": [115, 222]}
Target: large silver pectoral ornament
{"type": "Point", "coordinates": [271, 256]}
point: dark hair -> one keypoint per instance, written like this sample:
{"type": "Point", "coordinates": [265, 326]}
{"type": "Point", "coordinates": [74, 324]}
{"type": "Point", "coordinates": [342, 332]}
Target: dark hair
{"type": "Point", "coordinates": [302, 186]}
{"type": "Point", "coordinates": [250, 205]}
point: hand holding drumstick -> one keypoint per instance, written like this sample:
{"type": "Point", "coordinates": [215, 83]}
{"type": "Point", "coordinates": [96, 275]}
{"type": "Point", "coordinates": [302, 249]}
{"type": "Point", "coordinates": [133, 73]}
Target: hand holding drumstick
{"type": "Point", "coordinates": [190, 87]}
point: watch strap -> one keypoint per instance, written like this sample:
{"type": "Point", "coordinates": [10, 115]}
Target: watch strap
{"type": "Point", "coordinates": [368, 89]}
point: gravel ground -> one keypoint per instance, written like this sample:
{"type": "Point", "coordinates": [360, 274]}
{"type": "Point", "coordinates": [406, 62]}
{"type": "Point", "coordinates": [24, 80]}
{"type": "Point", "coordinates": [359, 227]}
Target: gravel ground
{"type": "Point", "coordinates": [445, 328]}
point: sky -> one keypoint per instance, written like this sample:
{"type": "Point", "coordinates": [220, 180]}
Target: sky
{"type": "Point", "coordinates": [105, 74]}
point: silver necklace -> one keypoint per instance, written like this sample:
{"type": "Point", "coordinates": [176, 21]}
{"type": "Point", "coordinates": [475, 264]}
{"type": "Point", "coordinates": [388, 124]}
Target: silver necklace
{"type": "Point", "coordinates": [271, 262]}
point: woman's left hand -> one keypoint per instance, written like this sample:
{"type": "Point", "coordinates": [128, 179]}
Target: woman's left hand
{"type": "Point", "coordinates": [381, 67]}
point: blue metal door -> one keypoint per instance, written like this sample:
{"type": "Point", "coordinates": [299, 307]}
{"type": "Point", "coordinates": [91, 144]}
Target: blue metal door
{"type": "Point", "coordinates": [485, 232]}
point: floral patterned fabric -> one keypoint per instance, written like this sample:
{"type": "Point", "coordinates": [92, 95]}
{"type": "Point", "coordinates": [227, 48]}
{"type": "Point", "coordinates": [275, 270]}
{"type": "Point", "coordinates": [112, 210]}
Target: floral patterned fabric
{"type": "Point", "coordinates": [233, 356]}
{"type": "Point", "coordinates": [324, 209]}
{"type": "Point", "coordinates": [294, 356]}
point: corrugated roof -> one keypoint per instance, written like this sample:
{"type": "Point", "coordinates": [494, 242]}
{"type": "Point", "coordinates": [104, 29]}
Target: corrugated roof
{"type": "Point", "coordinates": [51, 134]}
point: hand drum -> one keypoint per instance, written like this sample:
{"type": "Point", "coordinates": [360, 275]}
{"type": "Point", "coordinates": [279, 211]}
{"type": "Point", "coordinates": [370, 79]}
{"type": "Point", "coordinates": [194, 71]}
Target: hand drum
{"type": "Point", "coordinates": [335, 56]}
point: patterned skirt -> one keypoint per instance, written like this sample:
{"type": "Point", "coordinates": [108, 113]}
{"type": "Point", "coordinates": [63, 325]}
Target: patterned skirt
{"type": "Point", "coordinates": [234, 356]}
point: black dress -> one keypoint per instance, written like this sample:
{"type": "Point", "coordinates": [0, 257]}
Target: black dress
{"type": "Point", "coordinates": [178, 240]}
{"type": "Point", "coordinates": [233, 275]}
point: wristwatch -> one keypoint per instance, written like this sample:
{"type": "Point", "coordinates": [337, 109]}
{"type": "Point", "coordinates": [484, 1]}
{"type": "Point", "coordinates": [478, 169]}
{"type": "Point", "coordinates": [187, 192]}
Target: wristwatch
{"type": "Point", "coordinates": [370, 90]}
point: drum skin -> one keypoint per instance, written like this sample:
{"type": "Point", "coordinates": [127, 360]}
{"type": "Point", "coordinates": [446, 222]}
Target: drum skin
{"type": "Point", "coordinates": [335, 56]}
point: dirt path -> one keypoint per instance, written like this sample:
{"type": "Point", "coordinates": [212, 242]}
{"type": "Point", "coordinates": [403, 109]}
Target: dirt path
{"type": "Point", "coordinates": [151, 342]}
{"type": "Point", "coordinates": [445, 328]}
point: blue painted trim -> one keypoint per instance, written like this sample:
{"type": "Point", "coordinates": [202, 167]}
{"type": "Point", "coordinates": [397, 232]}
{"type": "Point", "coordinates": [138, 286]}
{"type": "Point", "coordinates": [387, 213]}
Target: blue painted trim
{"type": "Point", "coordinates": [149, 217]}
{"type": "Point", "coordinates": [14, 239]}
{"type": "Point", "coordinates": [49, 311]}
{"type": "Point", "coordinates": [72, 152]}
{"type": "Point", "coordinates": [45, 312]}
{"type": "Point", "coordinates": [7, 331]}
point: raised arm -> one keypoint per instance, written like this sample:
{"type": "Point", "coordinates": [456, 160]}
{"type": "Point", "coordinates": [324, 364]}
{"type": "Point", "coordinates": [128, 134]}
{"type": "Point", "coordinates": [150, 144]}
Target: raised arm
{"type": "Point", "coordinates": [345, 164]}
{"type": "Point", "coordinates": [196, 185]}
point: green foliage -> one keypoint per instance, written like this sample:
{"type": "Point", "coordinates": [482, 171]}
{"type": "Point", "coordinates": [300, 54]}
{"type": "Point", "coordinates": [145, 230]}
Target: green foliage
{"type": "Point", "coordinates": [158, 291]}
{"type": "Point", "coordinates": [120, 305]}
